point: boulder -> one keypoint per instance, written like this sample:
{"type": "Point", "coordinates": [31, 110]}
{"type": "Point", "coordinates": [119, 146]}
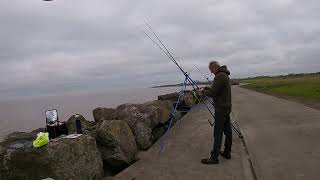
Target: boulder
{"type": "Point", "coordinates": [160, 103]}
{"type": "Point", "coordinates": [188, 97]}
{"type": "Point", "coordinates": [142, 119]}
{"type": "Point", "coordinates": [145, 118]}
{"type": "Point", "coordinates": [102, 113]}
{"type": "Point", "coordinates": [159, 131]}
{"type": "Point", "coordinates": [149, 115]}
{"type": "Point", "coordinates": [173, 97]}
{"type": "Point", "coordinates": [62, 158]}
{"type": "Point", "coordinates": [143, 136]}
{"type": "Point", "coordinates": [166, 108]}
{"type": "Point", "coordinates": [117, 144]}
{"type": "Point", "coordinates": [86, 126]}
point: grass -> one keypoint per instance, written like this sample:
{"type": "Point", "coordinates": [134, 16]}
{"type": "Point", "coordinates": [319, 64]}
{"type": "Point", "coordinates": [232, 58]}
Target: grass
{"type": "Point", "coordinates": [306, 87]}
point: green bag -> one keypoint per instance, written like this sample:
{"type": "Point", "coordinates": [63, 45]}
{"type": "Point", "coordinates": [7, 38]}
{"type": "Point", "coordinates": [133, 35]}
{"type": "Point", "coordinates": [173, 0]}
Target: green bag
{"type": "Point", "coordinates": [42, 139]}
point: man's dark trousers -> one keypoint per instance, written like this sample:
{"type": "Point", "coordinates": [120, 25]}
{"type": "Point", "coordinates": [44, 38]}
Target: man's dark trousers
{"type": "Point", "coordinates": [222, 125]}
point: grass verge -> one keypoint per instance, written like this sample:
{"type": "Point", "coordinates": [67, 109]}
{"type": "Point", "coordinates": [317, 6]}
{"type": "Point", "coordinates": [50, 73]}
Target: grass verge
{"type": "Point", "coordinates": [301, 87]}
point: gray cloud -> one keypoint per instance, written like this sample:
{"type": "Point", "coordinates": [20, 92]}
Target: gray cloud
{"type": "Point", "coordinates": [77, 45]}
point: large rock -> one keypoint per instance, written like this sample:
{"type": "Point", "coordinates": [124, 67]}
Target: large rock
{"type": "Point", "coordinates": [149, 115]}
{"type": "Point", "coordinates": [142, 119]}
{"type": "Point", "coordinates": [160, 103]}
{"type": "Point", "coordinates": [166, 108]}
{"type": "Point", "coordinates": [173, 97]}
{"type": "Point", "coordinates": [86, 126]}
{"type": "Point", "coordinates": [158, 131]}
{"type": "Point", "coordinates": [116, 143]}
{"type": "Point", "coordinates": [187, 99]}
{"type": "Point", "coordinates": [102, 113]}
{"type": "Point", "coordinates": [143, 136]}
{"type": "Point", "coordinates": [145, 118]}
{"type": "Point", "coordinates": [62, 158]}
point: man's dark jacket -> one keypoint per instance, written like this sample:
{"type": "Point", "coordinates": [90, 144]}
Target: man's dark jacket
{"type": "Point", "coordinates": [220, 90]}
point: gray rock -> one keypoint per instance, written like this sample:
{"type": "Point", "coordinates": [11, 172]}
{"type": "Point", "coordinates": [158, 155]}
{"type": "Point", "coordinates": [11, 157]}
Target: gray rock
{"type": "Point", "coordinates": [159, 131]}
{"type": "Point", "coordinates": [170, 97]}
{"type": "Point", "coordinates": [86, 126]}
{"type": "Point", "coordinates": [165, 109]}
{"type": "Point", "coordinates": [143, 136]}
{"type": "Point", "coordinates": [188, 97]}
{"type": "Point", "coordinates": [116, 143]}
{"type": "Point", "coordinates": [149, 115]}
{"type": "Point", "coordinates": [60, 159]}
{"type": "Point", "coordinates": [102, 113]}
{"type": "Point", "coordinates": [142, 119]}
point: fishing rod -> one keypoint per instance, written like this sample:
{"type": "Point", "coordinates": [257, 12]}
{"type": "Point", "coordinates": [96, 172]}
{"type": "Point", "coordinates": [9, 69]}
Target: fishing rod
{"type": "Point", "coordinates": [193, 84]}
{"type": "Point", "coordinates": [167, 53]}
{"type": "Point", "coordinates": [202, 73]}
{"type": "Point", "coordinates": [208, 82]}
{"type": "Point", "coordinates": [165, 50]}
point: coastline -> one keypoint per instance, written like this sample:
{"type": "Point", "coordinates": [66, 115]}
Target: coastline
{"type": "Point", "coordinates": [28, 114]}
{"type": "Point", "coordinates": [116, 136]}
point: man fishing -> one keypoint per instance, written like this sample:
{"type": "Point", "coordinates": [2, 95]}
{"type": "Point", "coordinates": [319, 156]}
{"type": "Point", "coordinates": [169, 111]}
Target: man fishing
{"type": "Point", "coordinates": [220, 91]}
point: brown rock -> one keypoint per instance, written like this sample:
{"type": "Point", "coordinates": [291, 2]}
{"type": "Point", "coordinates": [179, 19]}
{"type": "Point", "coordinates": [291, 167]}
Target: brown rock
{"type": "Point", "coordinates": [116, 143]}
{"type": "Point", "coordinates": [102, 113]}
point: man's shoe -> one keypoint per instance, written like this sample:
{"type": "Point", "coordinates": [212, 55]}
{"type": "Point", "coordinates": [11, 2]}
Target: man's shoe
{"type": "Point", "coordinates": [210, 161]}
{"type": "Point", "coordinates": [225, 155]}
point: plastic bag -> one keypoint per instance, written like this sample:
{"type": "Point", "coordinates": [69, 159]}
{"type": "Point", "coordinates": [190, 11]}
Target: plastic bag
{"type": "Point", "coordinates": [42, 139]}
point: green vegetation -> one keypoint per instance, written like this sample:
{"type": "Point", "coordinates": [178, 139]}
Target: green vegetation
{"type": "Point", "coordinates": [306, 86]}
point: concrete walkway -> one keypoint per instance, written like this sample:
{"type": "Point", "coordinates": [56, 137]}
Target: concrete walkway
{"type": "Point", "coordinates": [186, 146]}
{"type": "Point", "coordinates": [283, 136]}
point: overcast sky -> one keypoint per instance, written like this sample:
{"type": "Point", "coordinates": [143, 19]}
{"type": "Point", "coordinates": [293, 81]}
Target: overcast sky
{"type": "Point", "coordinates": [66, 46]}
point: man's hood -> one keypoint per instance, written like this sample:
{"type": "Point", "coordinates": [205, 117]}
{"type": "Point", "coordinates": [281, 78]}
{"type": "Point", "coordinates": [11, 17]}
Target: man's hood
{"type": "Point", "coordinates": [224, 69]}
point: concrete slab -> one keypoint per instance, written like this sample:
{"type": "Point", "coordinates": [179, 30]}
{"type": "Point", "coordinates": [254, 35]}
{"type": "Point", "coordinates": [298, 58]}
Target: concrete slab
{"type": "Point", "coordinates": [186, 146]}
{"type": "Point", "coordinates": [282, 136]}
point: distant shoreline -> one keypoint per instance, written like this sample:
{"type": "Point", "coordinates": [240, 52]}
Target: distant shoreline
{"type": "Point", "coordinates": [178, 85]}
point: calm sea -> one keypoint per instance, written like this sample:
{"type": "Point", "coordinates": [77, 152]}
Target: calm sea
{"type": "Point", "coordinates": [28, 114]}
